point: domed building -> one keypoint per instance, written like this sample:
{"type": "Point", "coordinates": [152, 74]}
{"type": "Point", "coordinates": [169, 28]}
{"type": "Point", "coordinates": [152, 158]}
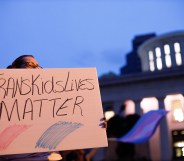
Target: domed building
{"type": "Point", "coordinates": [152, 79]}
{"type": "Point", "coordinates": [163, 52]}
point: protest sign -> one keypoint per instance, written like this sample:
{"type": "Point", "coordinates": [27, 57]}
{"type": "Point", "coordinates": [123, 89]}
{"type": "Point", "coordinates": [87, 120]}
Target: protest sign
{"type": "Point", "coordinates": [50, 110]}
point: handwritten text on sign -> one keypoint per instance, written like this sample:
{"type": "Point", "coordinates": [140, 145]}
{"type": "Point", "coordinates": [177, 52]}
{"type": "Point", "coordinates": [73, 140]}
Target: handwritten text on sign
{"type": "Point", "coordinates": [49, 109]}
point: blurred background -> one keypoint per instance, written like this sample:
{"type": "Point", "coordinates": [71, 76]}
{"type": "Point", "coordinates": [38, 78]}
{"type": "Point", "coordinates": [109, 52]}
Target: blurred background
{"type": "Point", "coordinates": [137, 47]}
{"type": "Point", "coordinates": [82, 33]}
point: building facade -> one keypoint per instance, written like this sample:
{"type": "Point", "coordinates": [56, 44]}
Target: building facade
{"type": "Point", "coordinates": [157, 82]}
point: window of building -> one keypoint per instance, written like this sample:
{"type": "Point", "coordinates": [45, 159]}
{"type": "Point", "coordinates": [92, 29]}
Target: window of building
{"type": "Point", "coordinates": [150, 103]}
{"type": "Point", "coordinates": [177, 53]}
{"type": "Point", "coordinates": [151, 61]}
{"type": "Point", "coordinates": [158, 58]}
{"type": "Point", "coordinates": [175, 104]}
{"type": "Point", "coordinates": [167, 55]}
{"type": "Point", "coordinates": [178, 144]}
{"type": "Point", "coordinates": [177, 111]}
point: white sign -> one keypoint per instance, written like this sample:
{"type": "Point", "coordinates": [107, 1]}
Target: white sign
{"type": "Point", "coordinates": [49, 110]}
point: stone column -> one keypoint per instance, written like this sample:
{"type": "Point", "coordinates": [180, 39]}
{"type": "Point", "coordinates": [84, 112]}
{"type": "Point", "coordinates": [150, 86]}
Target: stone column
{"type": "Point", "coordinates": [165, 143]}
{"type": "Point", "coordinates": [138, 109]}
{"type": "Point", "coordinates": [182, 50]}
{"type": "Point", "coordinates": [155, 59]}
{"type": "Point", "coordinates": [143, 149]}
{"type": "Point", "coordinates": [173, 53]}
{"type": "Point", "coordinates": [163, 57]}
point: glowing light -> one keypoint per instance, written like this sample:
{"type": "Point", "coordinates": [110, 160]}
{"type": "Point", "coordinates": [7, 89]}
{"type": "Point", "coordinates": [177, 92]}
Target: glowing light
{"type": "Point", "coordinates": [158, 59]}
{"type": "Point", "coordinates": [179, 148]}
{"type": "Point", "coordinates": [167, 55]}
{"type": "Point", "coordinates": [167, 49]}
{"type": "Point", "coordinates": [174, 103]}
{"type": "Point", "coordinates": [179, 144]}
{"type": "Point", "coordinates": [130, 107]}
{"type": "Point", "coordinates": [177, 111]}
{"type": "Point", "coordinates": [177, 53]}
{"type": "Point", "coordinates": [148, 104]}
{"type": "Point", "coordinates": [109, 114]}
{"type": "Point", "coordinates": [178, 59]}
{"type": "Point", "coordinates": [178, 115]}
{"type": "Point", "coordinates": [182, 151]}
{"type": "Point", "coordinates": [177, 47]}
{"type": "Point", "coordinates": [151, 61]}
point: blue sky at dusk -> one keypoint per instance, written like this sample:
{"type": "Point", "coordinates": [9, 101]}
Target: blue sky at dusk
{"type": "Point", "coordinates": [82, 33]}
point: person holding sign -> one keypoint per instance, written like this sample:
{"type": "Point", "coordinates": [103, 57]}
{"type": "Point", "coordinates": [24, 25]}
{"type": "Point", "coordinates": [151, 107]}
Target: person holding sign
{"type": "Point", "coordinates": [25, 108]}
{"type": "Point", "coordinates": [28, 62]}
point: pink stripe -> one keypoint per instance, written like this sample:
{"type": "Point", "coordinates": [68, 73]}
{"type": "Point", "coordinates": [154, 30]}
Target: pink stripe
{"type": "Point", "coordinates": [8, 135]}
{"type": "Point", "coordinates": [138, 132]}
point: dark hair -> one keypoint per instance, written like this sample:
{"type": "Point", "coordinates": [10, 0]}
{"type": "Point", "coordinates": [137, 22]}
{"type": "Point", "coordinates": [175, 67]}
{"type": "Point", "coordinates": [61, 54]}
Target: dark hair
{"type": "Point", "coordinates": [9, 67]}
{"type": "Point", "coordinates": [122, 107]}
{"type": "Point", "coordinates": [18, 61]}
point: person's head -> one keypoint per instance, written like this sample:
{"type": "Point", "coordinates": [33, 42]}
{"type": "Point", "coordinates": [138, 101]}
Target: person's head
{"type": "Point", "coordinates": [122, 108]}
{"type": "Point", "coordinates": [24, 61]}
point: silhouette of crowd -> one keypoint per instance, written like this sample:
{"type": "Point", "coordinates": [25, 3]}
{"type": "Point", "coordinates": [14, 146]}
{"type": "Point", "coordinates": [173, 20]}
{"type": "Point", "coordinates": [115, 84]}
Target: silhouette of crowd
{"type": "Point", "coordinates": [118, 126]}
